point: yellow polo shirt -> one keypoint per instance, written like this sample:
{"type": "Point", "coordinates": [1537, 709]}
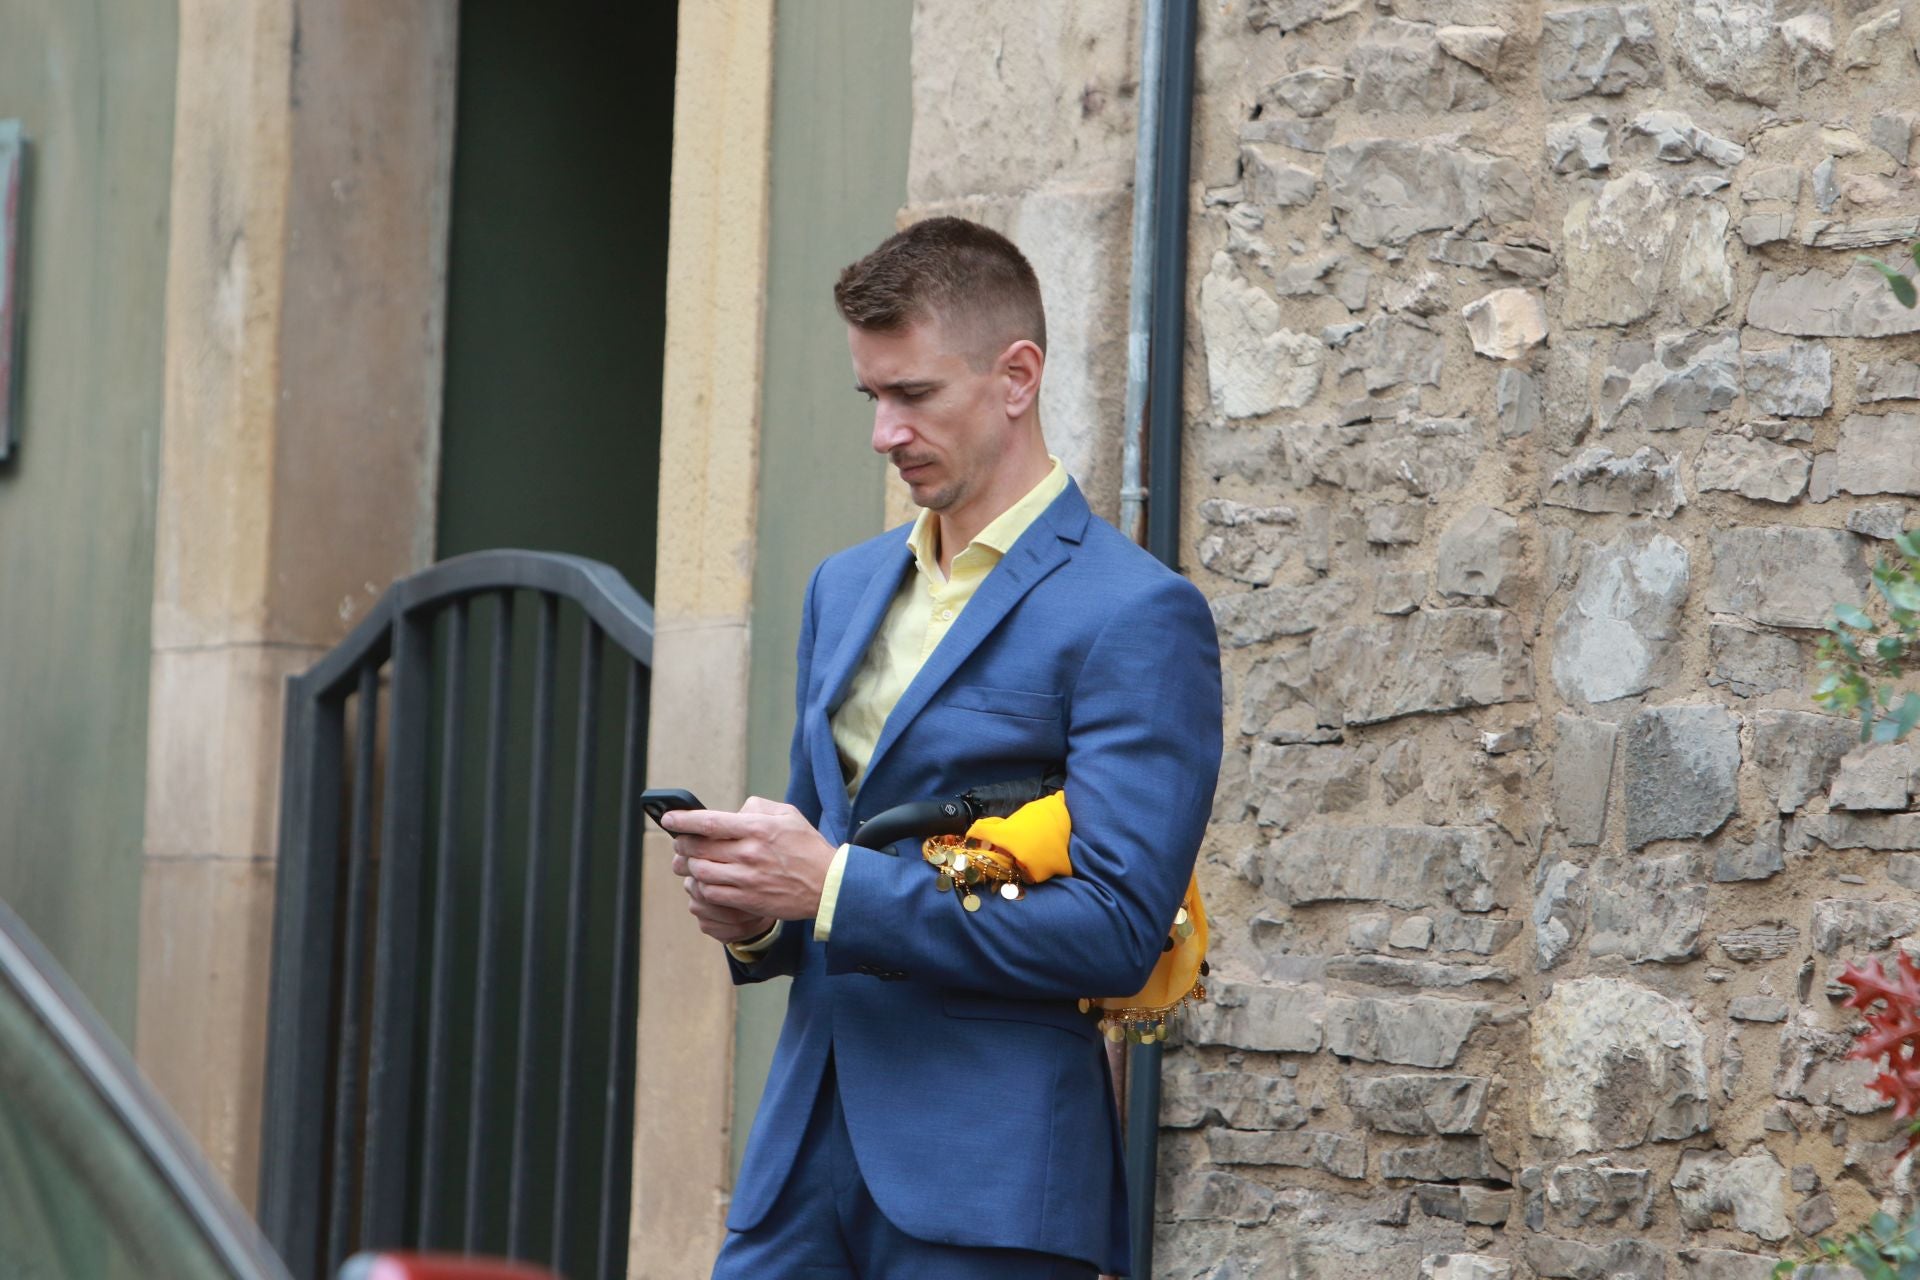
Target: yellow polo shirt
{"type": "Point", "coordinates": [922, 612]}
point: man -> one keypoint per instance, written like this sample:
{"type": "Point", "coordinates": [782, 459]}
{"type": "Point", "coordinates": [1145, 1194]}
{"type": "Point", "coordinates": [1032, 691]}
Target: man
{"type": "Point", "coordinates": [938, 1105]}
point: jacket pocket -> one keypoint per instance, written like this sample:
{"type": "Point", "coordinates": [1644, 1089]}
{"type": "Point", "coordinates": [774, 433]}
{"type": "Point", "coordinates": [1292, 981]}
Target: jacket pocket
{"type": "Point", "coordinates": [1005, 702]}
{"type": "Point", "coordinates": [1063, 1014]}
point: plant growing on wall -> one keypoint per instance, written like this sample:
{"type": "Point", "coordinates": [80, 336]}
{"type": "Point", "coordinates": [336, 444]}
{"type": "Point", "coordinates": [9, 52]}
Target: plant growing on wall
{"type": "Point", "coordinates": [1862, 657]}
{"type": "Point", "coordinates": [1902, 286]}
{"type": "Point", "coordinates": [1887, 1248]}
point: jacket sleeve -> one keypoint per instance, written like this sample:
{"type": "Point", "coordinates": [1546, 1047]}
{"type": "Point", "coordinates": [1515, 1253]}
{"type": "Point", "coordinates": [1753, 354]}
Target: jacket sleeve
{"type": "Point", "coordinates": [782, 959]}
{"type": "Point", "coordinates": [1143, 756]}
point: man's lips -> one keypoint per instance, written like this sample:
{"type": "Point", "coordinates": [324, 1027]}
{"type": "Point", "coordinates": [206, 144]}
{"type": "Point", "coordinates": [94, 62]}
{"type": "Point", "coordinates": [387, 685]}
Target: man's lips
{"type": "Point", "coordinates": [909, 470]}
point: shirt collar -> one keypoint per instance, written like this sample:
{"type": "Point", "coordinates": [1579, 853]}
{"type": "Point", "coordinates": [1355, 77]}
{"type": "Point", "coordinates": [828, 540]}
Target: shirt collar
{"type": "Point", "coordinates": [1001, 532]}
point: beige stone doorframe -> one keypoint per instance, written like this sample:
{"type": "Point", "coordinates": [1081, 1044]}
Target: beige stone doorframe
{"type": "Point", "coordinates": [306, 287]}
{"type": "Point", "coordinates": [697, 735]}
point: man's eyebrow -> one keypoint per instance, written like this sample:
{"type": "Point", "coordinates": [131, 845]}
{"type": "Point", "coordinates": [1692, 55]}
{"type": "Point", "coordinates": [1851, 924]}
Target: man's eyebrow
{"type": "Point", "coordinates": [904, 386]}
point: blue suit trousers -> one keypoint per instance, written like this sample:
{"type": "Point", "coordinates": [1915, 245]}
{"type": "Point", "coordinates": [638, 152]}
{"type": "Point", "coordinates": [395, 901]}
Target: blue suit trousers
{"type": "Point", "coordinates": [825, 1223]}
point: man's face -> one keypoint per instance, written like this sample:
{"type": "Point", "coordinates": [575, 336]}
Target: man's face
{"type": "Point", "coordinates": [939, 420]}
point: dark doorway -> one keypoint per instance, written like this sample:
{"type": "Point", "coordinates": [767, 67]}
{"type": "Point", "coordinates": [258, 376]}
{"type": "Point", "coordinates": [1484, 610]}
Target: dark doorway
{"type": "Point", "coordinates": [556, 322]}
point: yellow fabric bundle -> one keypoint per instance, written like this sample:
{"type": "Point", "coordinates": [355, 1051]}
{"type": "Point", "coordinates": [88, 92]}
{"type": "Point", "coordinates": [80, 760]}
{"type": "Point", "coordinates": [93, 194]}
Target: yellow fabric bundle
{"type": "Point", "coordinates": [1038, 838]}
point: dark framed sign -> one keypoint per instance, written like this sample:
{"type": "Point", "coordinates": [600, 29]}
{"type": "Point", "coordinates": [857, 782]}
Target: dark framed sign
{"type": "Point", "coordinates": [13, 154]}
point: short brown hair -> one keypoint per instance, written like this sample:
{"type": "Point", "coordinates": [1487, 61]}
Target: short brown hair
{"type": "Point", "coordinates": [969, 277]}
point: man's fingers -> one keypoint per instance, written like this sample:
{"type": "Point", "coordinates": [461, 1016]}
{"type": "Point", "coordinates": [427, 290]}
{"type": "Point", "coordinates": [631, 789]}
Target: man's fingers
{"type": "Point", "coordinates": [758, 804]}
{"type": "Point", "coordinates": [710, 872]}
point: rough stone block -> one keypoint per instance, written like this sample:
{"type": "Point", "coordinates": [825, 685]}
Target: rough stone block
{"type": "Point", "coordinates": [1341, 1155]}
{"type": "Point", "coordinates": [1256, 617]}
{"type": "Point", "coordinates": [1598, 49]}
{"type": "Point", "coordinates": [1599, 1193]}
{"type": "Point", "coordinates": [1882, 520]}
{"type": "Point", "coordinates": [1475, 935]}
{"type": "Point", "coordinates": [1582, 776]}
{"type": "Point", "coordinates": [1289, 784]}
{"type": "Point", "coordinates": [1480, 556]}
{"type": "Point", "coordinates": [1559, 911]}
{"type": "Point", "coordinates": [1267, 177]}
{"type": "Point", "coordinates": [1751, 468]}
{"type": "Point", "coordinates": [1424, 1031]}
{"type": "Point", "coordinates": [1818, 304]}
{"type": "Point", "coordinates": [1385, 191]}
{"type": "Point", "coordinates": [1797, 753]}
{"type": "Point", "coordinates": [1647, 483]}
{"type": "Point", "coordinates": [1516, 403]}
{"type": "Point", "coordinates": [1757, 1009]}
{"type": "Point", "coordinates": [1768, 940]}
{"type": "Point", "coordinates": [1392, 350]}
{"type": "Point", "coordinates": [1616, 1065]}
{"type": "Point", "coordinates": [1761, 858]}
{"type": "Point", "coordinates": [1434, 660]}
{"type": "Point", "coordinates": [1464, 1266]}
{"type": "Point", "coordinates": [1253, 365]}
{"type": "Point", "coordinates": [1419, 1105]}
{"type": "Point", "coordinates": [1648, 910]}
{"type": "Point", "coordinates": [1406, 867]}
{"type": "Point", "coordinates": [1860, 926]}
{"type": "Point", "coordinates": [1794, 381]}
{"type": "Point", "coordinates": [1681, 765]}
{"type": "Point", "coordinates": [1875, 380]}
{"type": "Point", "coordinates": [1415, 933]}
{"type": "Point", "coordinates": [1751, 1190]}
{"type": "Point", "coordinates": [1883, 833]}
{"type": "Point", "coordinates": [1579, 144]}
{"type": "Point", "coordinates": [1750, 662]}
{"type": "Point", "coordinates": [1877, 776]}
{"type": "Point", "coordinates": [1392, 524]}
{"type": "Point", "coordinates": [1725, 1264]}
{"type": "Point", "coordinates": [1239, 1099]}
{"type": "Point", "coordinates": [1419, 456]}
{"type": "Point", "coordinates": [1208, 1195]}
{"type": "Point", "coordinates": [1403, 66]}
{"type": "Point", "coordinates": [1272, 1017]}
{"type": "Point", "coordinates": [1505, 324]}
{"type": "Point", "coordinates": [1310, 91]}
{"type": "Point", "coordinates": [1555, 1259]}
{"type": "Point", "coordinates": [1735, 47]}
{"type": "Point", "coordinates": [1443, 1160]}
{"type": "Point", "coordinates": [1879, 453]}
{"type": "Point", "coordinates": [1621, 618]}
{"type": "Point", "coordinates": [1785, 576]}
{"type": "Point", "coordinates": [1676, 381]}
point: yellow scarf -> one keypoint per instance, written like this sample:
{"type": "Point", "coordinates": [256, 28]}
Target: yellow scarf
{"type": "Point", "coordinates": [1037, 837]}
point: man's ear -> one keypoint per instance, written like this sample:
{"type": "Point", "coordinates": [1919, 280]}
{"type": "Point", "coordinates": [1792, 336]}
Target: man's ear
{"type": "Point", "coordinates": [1020, 366]}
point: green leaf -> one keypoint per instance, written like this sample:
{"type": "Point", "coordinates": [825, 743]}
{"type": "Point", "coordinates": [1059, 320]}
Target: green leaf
{"type": "Point", "coordinates": [1901, 286]}
{"type": "Point", "coordinates": [1914, 253]}
{"type": "Point", "coordinates": [1889, 648]}
{"type": "Point", "coordinates": [1905, 717]}
{"type": "Point", "coordinates": [1852, 616]}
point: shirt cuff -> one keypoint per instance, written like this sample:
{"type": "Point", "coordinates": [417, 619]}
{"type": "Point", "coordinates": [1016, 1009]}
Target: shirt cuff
{"type": "Point", "coordinates": [830, 895]}
{"type": "Point", "coordinates": [752, 950]}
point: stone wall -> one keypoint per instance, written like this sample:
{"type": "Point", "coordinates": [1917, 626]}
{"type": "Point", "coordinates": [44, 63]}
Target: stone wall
{"type": "Point", "coordinates": [1538, 409]}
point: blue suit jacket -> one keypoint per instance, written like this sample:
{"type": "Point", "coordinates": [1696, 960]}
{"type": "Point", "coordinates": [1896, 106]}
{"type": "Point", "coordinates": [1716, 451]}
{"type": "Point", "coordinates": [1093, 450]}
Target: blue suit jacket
{"type": "Point", "coordinates": [975, 1091]}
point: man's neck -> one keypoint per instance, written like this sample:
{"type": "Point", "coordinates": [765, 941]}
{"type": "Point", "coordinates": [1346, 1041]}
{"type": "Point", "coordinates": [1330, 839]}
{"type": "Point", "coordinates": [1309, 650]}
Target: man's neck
{"type": "Point", "coordinates": [957, 529]}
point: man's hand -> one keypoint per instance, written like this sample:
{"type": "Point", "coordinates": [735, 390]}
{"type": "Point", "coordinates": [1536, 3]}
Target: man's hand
{"type": "Point", "coordinates": [745, 870]}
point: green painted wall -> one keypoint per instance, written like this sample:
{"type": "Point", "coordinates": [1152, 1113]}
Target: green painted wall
{"type": "Point", "coordinates": [842, 111]}
{"type": "Point", "coordinates": [93, 84]}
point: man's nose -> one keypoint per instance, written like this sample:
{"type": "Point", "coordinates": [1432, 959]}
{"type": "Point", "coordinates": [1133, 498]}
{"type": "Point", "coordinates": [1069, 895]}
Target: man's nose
{"type": "Point", "coordinates": [891, 428]}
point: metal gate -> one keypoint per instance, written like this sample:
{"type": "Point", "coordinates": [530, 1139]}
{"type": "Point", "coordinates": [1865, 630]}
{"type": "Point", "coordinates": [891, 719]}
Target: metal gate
{"type": "Point", "coordinates": [450, 1050]}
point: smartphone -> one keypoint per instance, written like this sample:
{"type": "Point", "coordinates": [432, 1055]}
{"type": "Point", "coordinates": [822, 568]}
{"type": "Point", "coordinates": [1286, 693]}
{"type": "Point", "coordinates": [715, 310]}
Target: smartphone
{"type": "Point", "coordinates": [665, 800]}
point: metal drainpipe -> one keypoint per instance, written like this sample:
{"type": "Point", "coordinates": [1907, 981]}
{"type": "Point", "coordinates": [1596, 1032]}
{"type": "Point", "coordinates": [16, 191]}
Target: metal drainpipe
{"type": "Point", "coordinates": [1133, 495]}
{"type": "Point", "coordinates": [1172, 103]}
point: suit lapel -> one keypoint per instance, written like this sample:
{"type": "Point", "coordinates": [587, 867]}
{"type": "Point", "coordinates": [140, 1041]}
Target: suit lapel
{"type": "Point", "coordinates": [1035, 554]}
{"type": "Point", "coordinates": [854, 641]}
